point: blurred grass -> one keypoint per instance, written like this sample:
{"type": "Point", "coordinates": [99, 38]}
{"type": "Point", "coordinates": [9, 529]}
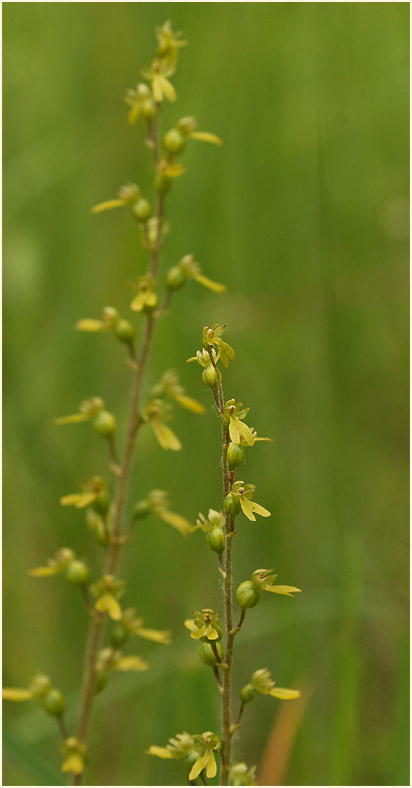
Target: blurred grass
{"type": "Point", "coordinates": [304, 214]}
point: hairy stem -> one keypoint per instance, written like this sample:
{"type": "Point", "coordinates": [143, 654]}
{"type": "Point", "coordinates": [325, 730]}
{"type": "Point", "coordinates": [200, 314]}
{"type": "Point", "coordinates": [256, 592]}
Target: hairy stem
{"type": "Point", "coordinates": [229, 528]}
{"type": "Point", "coordinates": [97, 624]}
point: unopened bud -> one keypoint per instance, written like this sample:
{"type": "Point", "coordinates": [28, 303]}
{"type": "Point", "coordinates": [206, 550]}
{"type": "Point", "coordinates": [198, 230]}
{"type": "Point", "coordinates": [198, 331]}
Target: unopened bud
{"type": "Point", "coordinates": [54, 703]}
{"type": "Point", "coordinates": [175, 278]}
{"type": "Point", "coordinates": [247, 595]}
{"type": "Point", "coordinates": [216, 540]}
{"type": "Point", "coordinates": [78, 573]}
{"type": "Point", "coordinates": [174, 141]}
{"type": "Point", "coordinates": [105, 424]}
{"type": "Point", "coordinates": [235, 455]}
{"type": "Point", "coordinates": [142, 210]}
{"type": "Point", "coordinates": [209, 376]}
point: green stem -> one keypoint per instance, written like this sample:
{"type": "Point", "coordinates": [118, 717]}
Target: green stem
{"type": "Point", "coordinates": [229, 527]}
{"type": "Point", "coordinates": [97, 624]}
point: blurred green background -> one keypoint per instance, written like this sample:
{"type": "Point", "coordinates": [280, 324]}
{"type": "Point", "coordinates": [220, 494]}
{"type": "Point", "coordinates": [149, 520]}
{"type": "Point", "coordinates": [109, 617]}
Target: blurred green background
{"type": "Point", "coordinates": [304, 214]}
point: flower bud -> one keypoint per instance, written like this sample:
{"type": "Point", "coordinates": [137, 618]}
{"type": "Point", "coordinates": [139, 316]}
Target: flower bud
{"type": "Point", "coordinates": [124, 331]}
{"type": "Point", "coordinates": [78, 573]}
{"type": "Point", "coordinates": [141, 509]}
{"type": "Point", "coordinates": [162, 183]}
{"type": "Point", "coordinates": [247, 694]}
{"type": "Point", "coordinates": [207, 654]}
{"type": "Point", "coordinates": [142, 210]}
{"type": "Point", "coordinates": [232, 504]}
{"type": "Point", "coordinates": [148, 109]}
{"type": "Point", "coordinates": [216, 540]}
{"type": "Point", "coordinates": [209, 376]}
{"type": "Point", "coordinates": [102, 502]}
{"type": "Point", "coordinates": [102, 678]}
{"type": "Point", "coordinates": [54, 703]}
{"type": "Point", "coordinates": [105, 424]}
{"type": "Point", "coordinates": [235, 455]}
{"type": "Point", "coordinates": [247, 595]}
{"type": "Point", "coordinates": [174, 141]}
{"type": "Point", "coordinates": [118, 635]}
{"type": "Point", "coordinates": [175, 278]}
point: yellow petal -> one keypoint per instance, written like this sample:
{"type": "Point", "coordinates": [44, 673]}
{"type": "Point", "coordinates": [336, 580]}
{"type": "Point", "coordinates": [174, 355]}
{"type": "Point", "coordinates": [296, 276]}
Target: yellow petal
{"type": "Point", "coordinates": [177, 521]}
{"type": "Point", "coordinates": [244, 430]}
{"type": "Point", "coordinates": [211, 766]}
{"type": "Point", "coordinates": [270, 440]}
{"type": "Point", "coordinates": [72, 419]}
{"type": "Point", "coordinates": [13, 693]}
{"type": "Point", "coordinates": [256, 507]}
{"type": "Point", "coordinates": [133, 114]}
{"type": "Point", "coordinates": [189, 403]}
{"type": "Point", "coordinates": [165, 436]}
{"type": "Point", "coordinates": [88, 324]}
{"type": "Point", "coordinates": [206, 136]}
{"type": "Point", "coordinates": [233, 431]}
{"type": "Point", "coordinates": [174, 170]}
{"type": "Point", "coordinates": [284, 694]}
{"type": "Point", "coordinates": [138, 303]}
{"type": "Point", "coordinates": [285, 590]}
{"type": "Point", "coordinates": [167, 88]}
{"type": "Point", "coordinates": [131, 663]}
{"type": "Point", "coordinates": [215, 286]}
{"type": "Point", "coordinates": [190, 624]}
{"type": "Point", "coordinates": [157, 88]}
{"type": "Point", "coordinates": [107, 205]}
{"type": "Point", "coordinates": [44, 571]}
{"type": "Point", "coordinates": [79, 500]}
{"type": "Point", "coordinates": [157, 635]}
{"type": "Point", "coordinates": [160, 752]}
{"type": "Point", "coordinates": [246, 508]}
{"type": "Point", "coordinates": [74, 763]}
{"type": "Point", "coordinates": [198, 766]}
{"type": "Point", "coordinates": [107, 603]}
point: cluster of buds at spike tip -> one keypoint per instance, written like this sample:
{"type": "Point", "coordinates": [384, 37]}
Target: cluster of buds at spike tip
{"type": "Point", "coordinates": [240, 499]}
{"type": "Point", "coordinates": [262, 683]}
{"type": "Point", "coordinates": [208, 360]}
{"type": "Point", "coordinates": [145, 299]}
{"type": "Point", "coordinates": [93, 410]}
{"type": "Point", "coordinates": [249, 592]}
{"type": "Point", "coordinates": [198, 751]}
{"type": "Point", "coordinates": [186, 269]}
{"type": "Point", "coordinates": [240, 774]}
{"type": "Point", "coordinates": [156, 413]}
{"type": "Point", "coordinates": [130, 197]}
{"type": "Point", "coordinates": [64, 563]}
{"type": "Point", "coordinates": [205, 626]}
{"type": "Point", "coordinates": [170, 386]}
{"type": "Point", "coordinates": [74, 756]}
{"type": "Point", "coordinates": [129, 626]}
{"type": "Point", "coordinates": [164, 65]}
{"type": "Point", "coordinates": [110, 322]}
{"type": "Point", "coordinates": [107, 591]}
{"type": "Point", "coordinates": [214, 528]}
{"type": "Point", "coordinates": [157, 504]}
{"type": "Point", "coordinates": [40, 688]}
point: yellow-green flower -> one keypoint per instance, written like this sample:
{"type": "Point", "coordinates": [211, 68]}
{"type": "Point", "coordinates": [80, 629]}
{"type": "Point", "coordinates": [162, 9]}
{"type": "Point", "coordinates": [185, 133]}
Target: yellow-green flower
{"type": "Point", "coordinates": [190, 269]}
{"type": "Point", "coordinates": [241, 775]}
{"type": "Point", "coordinates": [212, 336]}
{"type": "Point", "coordinates": [107, 591]}
{"type": "Point", "coordinates": [156, 413]}
{"type": "Point", "coordinates": [188, 127]}
{"type": "Point", "coordinates": [93, 493]}
{"type": "Point", "coordinates": [261, 681]}
{"type": "Point", "coordinates": [232, 417]}
{"type": "Point", "coordinates": [263, 579]}
{"type": "Point", "coordinates": [127, 196]}
{"type": "Point", "coordinates": [57, 565]}
{"type": "Point", "coordinates": [140, 101]}
{"type": "Point", "coordinates": [170, 386]}
{"type": "Point", "coordinates": [158, 75]}
{"type": "Point", "coordinates": [39, 687]}
{"type": "Point", "coordinates": [134, 626]}
{"type": "Point", "coordinates": [74, 755]}
{"type": "Point", "coordinates": [242, 495]}
{"type": "Point", "coordinates": [169, 44]}
{"type": "Point", "coordinates": [205, 626]}
{"type": "Point", "coordinates": [88, 409]}
{"type": "Point", "coordinates": [197, 750]}
{"type": "Point", "coordinates": [146, 298]}
{"type": "Point", "coordinates": [112, 659]}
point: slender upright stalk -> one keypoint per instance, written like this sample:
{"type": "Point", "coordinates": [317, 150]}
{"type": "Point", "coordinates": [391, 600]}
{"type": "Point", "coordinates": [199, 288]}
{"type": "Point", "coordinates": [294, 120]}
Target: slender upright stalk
{"type": "Point", "coordinates": [229, 526]}
{"type": "Point", "coordinates": [115, 544]}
